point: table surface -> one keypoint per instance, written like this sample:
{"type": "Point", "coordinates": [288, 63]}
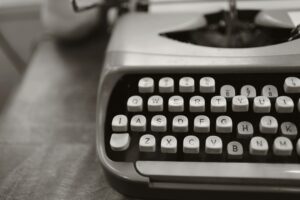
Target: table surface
{"type": "Point", "coordinates": [47, 129]}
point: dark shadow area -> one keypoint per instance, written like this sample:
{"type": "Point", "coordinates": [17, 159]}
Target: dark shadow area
{"type": "Point", "coordinates": [244, 34]}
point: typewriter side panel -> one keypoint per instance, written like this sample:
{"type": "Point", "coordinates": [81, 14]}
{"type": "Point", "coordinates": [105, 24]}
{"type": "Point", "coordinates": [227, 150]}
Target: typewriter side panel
{"type": "Point", "coordinates": [122, 176]}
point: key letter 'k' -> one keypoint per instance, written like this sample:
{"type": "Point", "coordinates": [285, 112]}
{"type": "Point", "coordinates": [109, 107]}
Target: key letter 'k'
{"type": "Point", "coordinates": [288, 128]}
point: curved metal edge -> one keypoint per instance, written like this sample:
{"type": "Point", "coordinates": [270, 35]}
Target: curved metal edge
{"type": "Point", "coordinates": [231, 176]}
{"type": "Point", "coordinates": [120, 170]}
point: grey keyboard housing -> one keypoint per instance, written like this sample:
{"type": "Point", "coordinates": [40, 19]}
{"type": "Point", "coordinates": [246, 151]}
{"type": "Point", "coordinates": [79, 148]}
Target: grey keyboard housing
{"type": "Point", "coordinates": [137, 48]}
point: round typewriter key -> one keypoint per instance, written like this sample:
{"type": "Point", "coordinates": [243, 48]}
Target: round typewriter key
{"type": "Point", "coordinates": [186, 85]}
{"type": "Point", "coordinates": [224, 124]}
{"type": "Point", "coordinates": [298, 147]}
{"type": "Point", "coordinates": [168, 144]}
{"type": "Point", "coordinates": [261, 104]}
{"type": "Point", "coordinates": [240, 104]}
{"type": "Point", "coordinates": [201, 124]}
{"type": "Point", "coordinates": [166, 85]}
{"type": "Point", "coordinates": [292, 85]}
{"type": "Point", "coordinates": [146, 85]}
{"type": "Point", "coordinates": [155, 104]}
{"type": "Point", "coordinates": [282, 146]}
{"type": "Point", "coordinates": [268, 124]}
{"type": "Point", "coordinates": [147, 143]}
{"type": "Point", "coordinates": [197, 104]}
{"type": "Point", "coordinates": [159, 123]}
{"type": "Point", "coordinates": [207, 85]}
{"type": "Point", "coordinates": [245, 130]}
{"type": "Point", "coordinates": [234, 150]}
{"type": "Point", "coordinates": [180, 124]}
{"type": "Point", "coordinates": [213, 145]}
{"type": "Point", "coordinates": [218, 104]}
{"type": "Point", "coordinates": [119, 123]}
{"type": "Point", "coordinates": [249, 91]}
{"type": "Point", "coordinates": [227, 91]}
{"type": "Point", "coordinates": [176, 104]}
{"type": "Point", "coordinates": [191, 145]}
{"type": "Point", "coordinates": [289, 129]}
{"type": "Point", "coordinates": [258, 146]}
{"type": "Point", "coordinates": [284, 104]}
{"type": "Point", "coordinates": [138, 123]}
{"type": "Point", "coordinates": [135, 104]}
{"type": "Point", "coordinates": [119, 141]}
{"type": "Point", "coordinates": [269, 91]}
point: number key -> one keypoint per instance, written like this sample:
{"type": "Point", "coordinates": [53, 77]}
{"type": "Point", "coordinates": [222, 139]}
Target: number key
{"type": "Point", "coordinates": [269, 91]}
{"type": "Point", "coordinates": [292, 85]}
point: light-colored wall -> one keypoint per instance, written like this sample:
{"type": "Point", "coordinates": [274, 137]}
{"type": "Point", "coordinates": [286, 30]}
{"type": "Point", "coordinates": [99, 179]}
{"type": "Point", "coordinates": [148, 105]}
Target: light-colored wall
{"type": "Point", "coordinates": [22, 34]}
{"type": "Point", "coordinates": [9, 78]}
{"type": "Point", "coordinates": [20, 25]}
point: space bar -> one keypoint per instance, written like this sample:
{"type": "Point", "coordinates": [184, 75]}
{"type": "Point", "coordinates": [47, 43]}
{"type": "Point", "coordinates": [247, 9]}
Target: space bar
{"type": "Point", "coordinates": [220, 172]}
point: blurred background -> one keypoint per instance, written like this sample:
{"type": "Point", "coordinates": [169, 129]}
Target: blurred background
{"type": "Point", "coordinates": [20, 28]}
{"type": "Point", "coordinates": [24, 23]}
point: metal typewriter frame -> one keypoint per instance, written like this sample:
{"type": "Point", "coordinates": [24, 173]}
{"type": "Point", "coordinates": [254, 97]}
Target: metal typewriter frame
{"type": "Point", "coordinates": [125, 55]}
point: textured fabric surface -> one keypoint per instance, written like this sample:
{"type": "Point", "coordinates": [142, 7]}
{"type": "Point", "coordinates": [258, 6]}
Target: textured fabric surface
{"type": "Point", "coordinates": [47, 131]}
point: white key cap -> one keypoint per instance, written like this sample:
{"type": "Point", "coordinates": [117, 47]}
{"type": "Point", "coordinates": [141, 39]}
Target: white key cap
{"type": "Point", "coordinates": [155, 104]}
{"type": "Point", "coordinates": [249, 91]}
{"type": "Point", "coordinates": [213, 145]}
{"type": "Point", "coordinates": [218, 104]}
{"type": "Point", "coordinates": [146, 85]}
{"type": "Point", "coordinates": [191, 144]}
{"type": "Point", "coordinates": [159, 123]}
{"type": "Point", "coordinates": [282, 146]}
{"type": "Point", "coordinates": [240, 104]}
{"type": "Point", "coordinates": [207, 85]}
{"type": "Point", "coordinates": [186, 84]}
{"type": "Point", "coordinates": [135, 104]}
{"type": "Point", "coordinates": [166, 85]}
{"type": "Point", "coordinates": [119, 123]}
{"type": "Point", "coordinates": [298, 147]}
{"type": "Point", "coordinates": [245, 130]}
{"type": "Point", "coordinates": [168, 144]}
{"type": "Point", "coordinates": [180, 124]}
{"type": "Point", "coordinates": [227, 91]}
{"type": "Point", "coordinates": [292, 85]}
{"type": "Point", "coordinates": [147, 143]}
{"type": "Point", "coordinates": [261, 104]}
{"type": "Point", "coordinates": [176, 104]}
{"type": "Point", "coordinates": [138, 123]}
{"type": "Point", "coordinates": [284, 104]}
{"type": "Point", "coordinates": [119, 142]}
{"type": "Point", "coordinates": [201, 124]}
{"type": "Point", "coordinates": [197, 104]}
{"type": "Point", "coordinates": [289, 129]}
{"type": "Point", "coordinates": [224, 124]}
{"type": "Point", "coordinates": [235, 150]}
{"type": "Point", "coordinates": [268, 124]}
{"type": "Point", "coordinates": [258, 146]}
{"type": "Point", "coordinates": [269, 91]}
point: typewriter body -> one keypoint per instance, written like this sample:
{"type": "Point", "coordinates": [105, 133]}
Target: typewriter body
{"type": "Point", "coordinates": [183, 109]}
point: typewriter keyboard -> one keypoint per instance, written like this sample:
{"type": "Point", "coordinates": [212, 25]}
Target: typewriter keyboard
{"type": "Point", "coordinates": [205, 117]}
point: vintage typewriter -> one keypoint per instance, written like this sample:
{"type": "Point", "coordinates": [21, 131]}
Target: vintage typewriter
{"type": "Point", "coordinates": [198, 97]}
